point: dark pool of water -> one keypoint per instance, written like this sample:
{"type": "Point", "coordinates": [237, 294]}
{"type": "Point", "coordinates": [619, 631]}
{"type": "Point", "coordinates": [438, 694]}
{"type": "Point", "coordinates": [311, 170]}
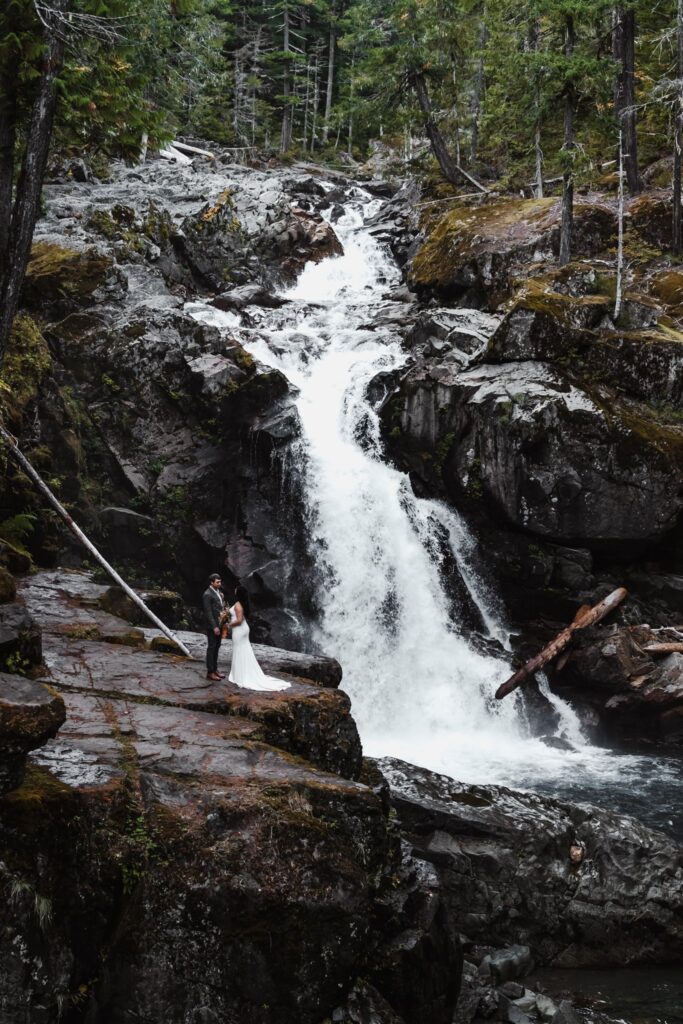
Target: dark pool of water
{"type": "Point", "coordinates": [636, 995]}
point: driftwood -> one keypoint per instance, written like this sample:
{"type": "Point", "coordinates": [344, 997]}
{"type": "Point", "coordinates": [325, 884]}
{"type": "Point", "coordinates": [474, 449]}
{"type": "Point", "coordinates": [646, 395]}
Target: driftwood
{"type": "Point", "coordinates": [19, 457]}
{"type": "Point", "coordinates": [673, 647]}
{"type": "Point", "coordinates": [585, 617]}
{"type": "Point", "coordinates": [169, 153]}
{"type": "Point", "coordinates": [185, 148]}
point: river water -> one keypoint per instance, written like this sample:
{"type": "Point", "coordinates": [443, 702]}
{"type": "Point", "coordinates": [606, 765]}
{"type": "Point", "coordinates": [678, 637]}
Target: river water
{"type": "Point", "coordinates": [421, 690]}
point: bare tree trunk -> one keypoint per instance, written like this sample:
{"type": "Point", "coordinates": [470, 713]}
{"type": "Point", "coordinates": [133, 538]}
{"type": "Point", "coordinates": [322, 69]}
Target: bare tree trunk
{"type": "Point", "coordinates": [330, 83]}
{"type": "Point", "coordinates": [316, 99]}
{"type": "Point", "coordinates": [351, 88]}
{"type": "Point", "coordinates": [478, 93]}
{"type": "Point", "coordinates": [624, 49]}
{"type": "Point", "coordinates": [562, 641]}
{"type": "Point", "coordinates": [286, 134]}
{"type": "Point", "coordinates": [17, 245]}
{"type": "Point", "coordinates": [538, 148]}
{"type": "Point", "coordinates": [677, 241]}
{"type": "Point", "coordinates": [620, 244]}
{"type": "Point", "coordinates": [450, 170]}
{"type": "Point", "coordinates": [568, 147]}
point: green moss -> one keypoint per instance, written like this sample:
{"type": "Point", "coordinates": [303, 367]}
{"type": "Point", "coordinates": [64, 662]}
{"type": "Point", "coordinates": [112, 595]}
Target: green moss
{"type": "Point", "coordinates": [458, 234]}
{"type": "Point", "coordinates": [56, 273]}
{"type": "Point", "coordinates": [27, 362]}
{"type": "Point", "coordinates": [443, 450]}
{"type": "Point", "coordinates": [40, 794]}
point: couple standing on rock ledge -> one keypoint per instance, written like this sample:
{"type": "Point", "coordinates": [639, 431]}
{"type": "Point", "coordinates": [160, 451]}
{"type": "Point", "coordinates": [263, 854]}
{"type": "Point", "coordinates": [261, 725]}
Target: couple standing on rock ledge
{"type": "Point", "coordinates": [220, 620]}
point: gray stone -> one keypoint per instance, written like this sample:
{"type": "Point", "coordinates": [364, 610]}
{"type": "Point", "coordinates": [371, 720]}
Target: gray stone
{"type": "Point", "coordinates": [503, 964]}
{"type": "Point", "coordinates": [566, 1014]}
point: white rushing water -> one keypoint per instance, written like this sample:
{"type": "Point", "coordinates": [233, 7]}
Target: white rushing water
{"type": "Point", "coordinates": [421, 691]}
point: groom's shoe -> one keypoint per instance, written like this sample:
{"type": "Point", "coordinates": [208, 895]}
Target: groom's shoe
{"type": "Point", "coordinates": [221, 675]}
{"type": "Point", "coordinates": [214, 676]}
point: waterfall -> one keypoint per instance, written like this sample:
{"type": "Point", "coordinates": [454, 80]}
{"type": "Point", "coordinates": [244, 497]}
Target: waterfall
{"type": "Point", "coordinates": [421, 689]}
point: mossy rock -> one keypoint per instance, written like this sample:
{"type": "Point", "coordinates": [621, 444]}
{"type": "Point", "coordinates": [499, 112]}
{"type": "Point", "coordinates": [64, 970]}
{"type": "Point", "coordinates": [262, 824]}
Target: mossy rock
{"type": "Point", "coordinates": [8, 586]}
{"type": "Point", "coordinates": [667, 287]}
{"type": "Point", "coordinates": [62, 277]}
{"type": "Point", "coordinates": [27, 362]}
{"type": "Point", "coordinates": [651, 217]}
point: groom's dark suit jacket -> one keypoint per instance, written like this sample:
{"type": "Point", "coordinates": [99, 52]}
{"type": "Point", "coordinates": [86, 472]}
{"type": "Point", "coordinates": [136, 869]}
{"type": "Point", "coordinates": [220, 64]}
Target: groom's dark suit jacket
{"type": "Point", "coordinates": [212, 608]}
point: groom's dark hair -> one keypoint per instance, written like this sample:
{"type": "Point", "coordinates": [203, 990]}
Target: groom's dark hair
{"type": "Point", "coordinates": [214, 576]}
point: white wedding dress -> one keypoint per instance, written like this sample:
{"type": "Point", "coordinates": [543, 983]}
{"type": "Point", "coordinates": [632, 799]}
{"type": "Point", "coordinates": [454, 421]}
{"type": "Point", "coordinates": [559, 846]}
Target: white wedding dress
{"type": "Point", "coordinates": [245, 670]}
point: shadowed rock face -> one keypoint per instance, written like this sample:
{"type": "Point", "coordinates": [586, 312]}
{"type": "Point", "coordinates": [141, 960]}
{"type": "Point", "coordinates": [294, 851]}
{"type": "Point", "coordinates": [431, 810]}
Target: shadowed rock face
{"type": "Point", "coordinates": [503, 859]}
{"type": "Point", "coordinates": [30, 714]}
{"type": "Point", "coordinates": [190, 851]}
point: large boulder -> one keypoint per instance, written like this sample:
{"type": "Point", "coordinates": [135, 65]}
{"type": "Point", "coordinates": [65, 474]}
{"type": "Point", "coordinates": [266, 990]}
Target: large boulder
{"type": "Point", "coordinates": [577, 885]}
{"type": "Point", "coordinates": [471, 252]}
{"type": "Point", "coordinates": [554, 459]}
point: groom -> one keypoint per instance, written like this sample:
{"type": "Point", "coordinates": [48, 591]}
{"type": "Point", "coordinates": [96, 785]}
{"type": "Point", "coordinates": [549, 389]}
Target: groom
{"type": "Point", "coordinates": [213, 604]}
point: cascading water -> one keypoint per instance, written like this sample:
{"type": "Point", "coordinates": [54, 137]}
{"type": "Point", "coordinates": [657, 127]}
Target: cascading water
{"type": "Point", "coordinates": [421, 691]}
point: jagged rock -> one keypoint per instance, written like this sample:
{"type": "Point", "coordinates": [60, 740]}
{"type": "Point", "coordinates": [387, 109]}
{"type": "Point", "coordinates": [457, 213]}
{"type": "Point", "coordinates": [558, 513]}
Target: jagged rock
{"type": "Point", "coordinates": [504, 964]}
{"type": "Point", "coordinates": [30, 714]}
{"type": "Point", "coordinates": [635, 693]}
{"type": "Point", "coordinates": [566, 1014]}
{"type": "Point", "coordinates": [20, 640]}
{"type": "Point", "coordinates": [508, 864]}
{"type": "Point", "coordinates": [556, 461]}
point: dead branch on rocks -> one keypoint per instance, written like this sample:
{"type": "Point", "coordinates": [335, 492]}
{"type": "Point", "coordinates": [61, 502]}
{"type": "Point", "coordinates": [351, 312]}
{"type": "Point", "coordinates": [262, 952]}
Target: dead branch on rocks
{"type": "Point", "coordinates": [586, 616]}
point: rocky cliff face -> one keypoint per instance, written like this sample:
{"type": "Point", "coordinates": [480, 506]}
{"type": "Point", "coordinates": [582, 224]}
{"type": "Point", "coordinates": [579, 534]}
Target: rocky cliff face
{"type": "Point", "coordinates": [190, 851]}
{"type": "Point", "coordinates": [194, 852]}
{"type": "Point", "coordinates": [161, 434]}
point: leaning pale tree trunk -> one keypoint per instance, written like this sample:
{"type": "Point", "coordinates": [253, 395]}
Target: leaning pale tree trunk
{"type": "Point", "coordinates": [22, 461]}
{"type": "Point", "coordinates": [624, 49]}
{"type": "Point", "coordinates": [677, 240]}
{"type": "Point", "coordinates": [566, 228]}
{"type": "Point", "coordinates": [451, 171]}
{"type": "Point", "coordinates": [18, 220]}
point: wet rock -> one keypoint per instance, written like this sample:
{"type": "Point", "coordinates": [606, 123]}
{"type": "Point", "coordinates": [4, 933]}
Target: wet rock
{"type": "Point", "coordinates": [173, 827]}
{"type": "Point", "coordinates": [20, 639]}
{"type": "Point", "coordinates": [508, 864]}
{"type": "Point", "coordinates": [635, 693]}
{"type": "Point", "coordinates": [30, 715]}
{"type": "Point", "coordinates": [247, 295]}
{"type": "Point", "coordinates": [566, 1014]}
{"type": "Point", "coordinates": [504, 964]}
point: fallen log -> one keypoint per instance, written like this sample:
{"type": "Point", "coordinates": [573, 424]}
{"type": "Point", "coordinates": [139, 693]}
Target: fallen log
{"type": "Point", "coordinates": [169, 153]}
{"type": "Point", "coordinates": [585, 617]}
{"type": "Point", "coordinates": [185, 148]}
{"type": "Point", "coordinates": [672, 647]}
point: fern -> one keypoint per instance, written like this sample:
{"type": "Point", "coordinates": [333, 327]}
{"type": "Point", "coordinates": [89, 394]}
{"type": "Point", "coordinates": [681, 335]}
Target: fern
{"type": "Point", "coordinates": [17, 529]}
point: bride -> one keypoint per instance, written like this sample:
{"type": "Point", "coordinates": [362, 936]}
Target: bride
{"type": "Point", "coordinates": [245, 669]}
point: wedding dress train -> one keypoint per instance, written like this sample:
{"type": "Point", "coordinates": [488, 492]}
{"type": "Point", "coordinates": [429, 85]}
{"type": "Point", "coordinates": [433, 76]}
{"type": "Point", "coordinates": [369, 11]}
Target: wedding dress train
{"type": "Point", "coordinates": [245, 670]}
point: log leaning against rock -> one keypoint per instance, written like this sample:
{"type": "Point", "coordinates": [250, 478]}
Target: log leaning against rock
{"type": "Point", "coordinates": [585, 617]}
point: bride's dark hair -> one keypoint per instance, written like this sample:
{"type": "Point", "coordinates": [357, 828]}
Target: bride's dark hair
{"type": "Point", "coordinates": [242, 595]}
